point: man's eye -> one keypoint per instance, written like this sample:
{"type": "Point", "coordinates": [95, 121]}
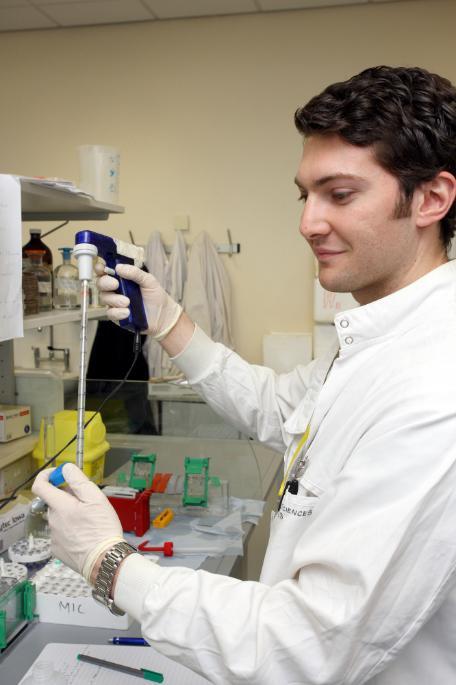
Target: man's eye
{"type": "Point", "coordinates": [341, 195]}
{"type": "Point", "coordinates": [302, 197]}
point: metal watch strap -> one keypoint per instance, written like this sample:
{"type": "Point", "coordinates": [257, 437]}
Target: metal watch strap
{"type": "Point", "coordinates": [106, 573]}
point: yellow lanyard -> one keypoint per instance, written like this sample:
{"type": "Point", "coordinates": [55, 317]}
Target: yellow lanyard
{"type": "Point", "coordinates": [293, 459]}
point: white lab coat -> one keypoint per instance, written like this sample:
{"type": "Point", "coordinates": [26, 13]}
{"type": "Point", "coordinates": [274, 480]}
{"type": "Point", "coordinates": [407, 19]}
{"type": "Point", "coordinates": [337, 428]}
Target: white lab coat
{"type": "Point", "coordinates": [157, 264]}
{"type": "Point", "coordinates": [207, 293]}
{"type": "Point", "coordinates": [358, 582]}
{"type": "Point", "coordinates": [176, 276]}
{"type": "Point", "coordinates": [176, 272]}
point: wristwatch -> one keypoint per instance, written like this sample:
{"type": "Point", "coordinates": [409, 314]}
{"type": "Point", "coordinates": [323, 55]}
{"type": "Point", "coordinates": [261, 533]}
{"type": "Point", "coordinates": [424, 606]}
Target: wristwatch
{"type": "Point", "coordinates": [107, 571]}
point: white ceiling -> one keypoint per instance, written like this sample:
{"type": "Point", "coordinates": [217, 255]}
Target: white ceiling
{"type": "Point", "coordinates": [17, 15]}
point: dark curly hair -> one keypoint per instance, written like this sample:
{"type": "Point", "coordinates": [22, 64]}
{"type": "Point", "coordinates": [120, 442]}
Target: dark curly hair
{"type": "Point", "coordinates": [408, 115]}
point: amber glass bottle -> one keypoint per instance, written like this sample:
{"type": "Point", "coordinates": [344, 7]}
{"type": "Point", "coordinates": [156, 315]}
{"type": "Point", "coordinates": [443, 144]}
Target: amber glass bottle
{"type": "Point", "coordinates": [35, 245]}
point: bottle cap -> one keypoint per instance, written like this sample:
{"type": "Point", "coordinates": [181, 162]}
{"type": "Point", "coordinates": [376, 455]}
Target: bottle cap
{"type": "Point", "coordinates": [66, 251]}
{"type": "Point", "coordinates": [35, 230]}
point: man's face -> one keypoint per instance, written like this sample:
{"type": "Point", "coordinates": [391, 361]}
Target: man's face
{"type": "Point", "coordinates": [348, 220]}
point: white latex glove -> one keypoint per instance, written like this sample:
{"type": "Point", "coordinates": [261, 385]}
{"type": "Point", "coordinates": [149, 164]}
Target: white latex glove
{"type": "Point", "coordinates": [161, 310]}
{"type": "Point", "coordinates": [83, 522]}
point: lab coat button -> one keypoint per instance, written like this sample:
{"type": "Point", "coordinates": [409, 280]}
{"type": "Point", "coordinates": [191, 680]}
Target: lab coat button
{"type": "Point", "coordinates": [344, 323]}
{"type": "Point", "coordinates": [349, 340]}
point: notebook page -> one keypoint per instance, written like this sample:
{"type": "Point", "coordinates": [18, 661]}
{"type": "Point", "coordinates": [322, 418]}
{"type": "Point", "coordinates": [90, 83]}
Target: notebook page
{"type": "Point", "coordinates": [64, 658]}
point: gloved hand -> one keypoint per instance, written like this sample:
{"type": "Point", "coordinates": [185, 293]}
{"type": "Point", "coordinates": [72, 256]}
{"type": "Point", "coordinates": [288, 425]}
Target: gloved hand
{"type": "Point", "coordinates": [83, 522]}
{"type": "Point", "coordinates": [161, 310]}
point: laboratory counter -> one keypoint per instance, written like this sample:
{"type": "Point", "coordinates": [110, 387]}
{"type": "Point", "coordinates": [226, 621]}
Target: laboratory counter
{"type": "Point", "coordinates": [17, 658]}
{"type": "Point", "coordinates": [253, 471]}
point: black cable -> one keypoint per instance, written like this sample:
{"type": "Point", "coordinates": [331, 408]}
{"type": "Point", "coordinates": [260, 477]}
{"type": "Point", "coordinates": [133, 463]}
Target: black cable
{"type": "Point", "coordinates": [55, 228]}
{"type": "Point", "coordinates": [136, 350]}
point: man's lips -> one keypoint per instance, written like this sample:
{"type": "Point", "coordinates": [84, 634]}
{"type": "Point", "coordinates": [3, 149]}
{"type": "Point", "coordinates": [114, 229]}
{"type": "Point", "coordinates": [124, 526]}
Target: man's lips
{"type": "Point", "coordinates": [323, 252]}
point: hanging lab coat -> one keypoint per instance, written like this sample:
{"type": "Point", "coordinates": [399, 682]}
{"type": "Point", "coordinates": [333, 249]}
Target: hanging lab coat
{"type": "Point", "coordinates": [207, 294]}
{"type": "Point", "coordinates": [176, 272]}
{"type": "Point", "coordinates": [176, 276]}
{"type": "Point", "coordinates": [359, 579]}
{"type": "Point", "coordinates": [157, 264]}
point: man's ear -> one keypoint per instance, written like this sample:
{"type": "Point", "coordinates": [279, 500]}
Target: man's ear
{"type": "Point", "coordinates": [434, 199]}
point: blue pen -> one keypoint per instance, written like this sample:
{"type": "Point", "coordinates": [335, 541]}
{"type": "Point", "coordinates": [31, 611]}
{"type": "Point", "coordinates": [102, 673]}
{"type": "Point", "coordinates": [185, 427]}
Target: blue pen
{"type": "Point", "coordinates": [128, 641]}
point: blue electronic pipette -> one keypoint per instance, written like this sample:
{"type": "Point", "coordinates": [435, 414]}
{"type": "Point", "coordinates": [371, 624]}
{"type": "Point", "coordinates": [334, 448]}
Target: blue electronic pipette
{"type": "Point", "coordinates": [115, 251]}
{"type": "Point", "coordinates": [89, 245]}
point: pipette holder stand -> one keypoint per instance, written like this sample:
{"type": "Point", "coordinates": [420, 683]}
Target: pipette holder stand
{"type": "Point", "coordinates": [196, 481]}
{"type": "Point", "coordinates": [142, 471]}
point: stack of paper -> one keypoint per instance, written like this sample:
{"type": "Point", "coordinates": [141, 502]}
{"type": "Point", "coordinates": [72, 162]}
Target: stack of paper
{"type": "Point", "coordinates": [57, 183]}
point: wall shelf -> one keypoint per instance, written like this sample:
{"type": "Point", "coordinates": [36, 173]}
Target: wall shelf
{"type": "Point", "coordinates": [44, 203]}
{"type": "Point", "coordinates": [57, 316]}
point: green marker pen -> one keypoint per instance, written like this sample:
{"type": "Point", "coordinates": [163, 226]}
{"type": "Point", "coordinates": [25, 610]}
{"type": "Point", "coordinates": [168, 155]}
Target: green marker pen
{"type": "Point", "coordinates": [144, 673]}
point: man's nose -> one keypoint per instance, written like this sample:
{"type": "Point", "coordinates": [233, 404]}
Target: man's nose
{"type": "Point", "coordinates": [314, 222]}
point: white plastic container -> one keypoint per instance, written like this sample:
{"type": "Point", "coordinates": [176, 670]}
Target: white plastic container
{"type": "Point", "coordinates": [99, 167]}
{"type": "Point", "coordinates": [63, 596]}
{"type": "Point", "coordinates": [15, 421]}
{"type": "Point", "coordinates": [282, 352]}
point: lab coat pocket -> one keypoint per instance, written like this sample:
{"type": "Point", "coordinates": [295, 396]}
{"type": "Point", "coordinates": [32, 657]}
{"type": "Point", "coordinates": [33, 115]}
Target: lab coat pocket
{"type": "Point", "coordinates": [298, 506]}
{"type": "Point", "coordinates": [288, 525]}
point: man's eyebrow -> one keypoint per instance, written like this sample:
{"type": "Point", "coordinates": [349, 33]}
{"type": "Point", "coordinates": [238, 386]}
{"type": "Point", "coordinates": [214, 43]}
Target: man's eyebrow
{"type": "Point", "coordinates": [332, 177]}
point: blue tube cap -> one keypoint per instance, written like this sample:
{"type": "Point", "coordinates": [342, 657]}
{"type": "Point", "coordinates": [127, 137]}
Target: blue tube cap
{"type": "Point", "coordinates": [57, 478]}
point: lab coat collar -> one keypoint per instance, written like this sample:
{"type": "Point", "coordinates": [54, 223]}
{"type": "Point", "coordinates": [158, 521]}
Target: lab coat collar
{"type": "Point", "coordinates": [401, 310]}
{"type": "Point", "coordinates": [362, 326]}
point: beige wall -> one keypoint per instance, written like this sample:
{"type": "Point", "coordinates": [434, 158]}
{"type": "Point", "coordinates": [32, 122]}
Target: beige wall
{"type": "Point", "coordinates": [202, 113]}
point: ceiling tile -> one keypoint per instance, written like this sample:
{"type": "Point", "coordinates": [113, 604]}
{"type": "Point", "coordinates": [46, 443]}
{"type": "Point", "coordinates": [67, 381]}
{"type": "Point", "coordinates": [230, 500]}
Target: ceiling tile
{"type": "Point", "coordinates": [269, 5]}
{"type": "Point", "coordinates": [40, 3]}
{"type": "Point", "coordinates": [30, 14]}
{"type": "Point", "coordinates": [83, 13]}
{"type": "Point", "coordinates": [18, 18]}
{"type": "Point", "coordinates": [14, 3]}
{"type": "Point", "coordinates": [171, 9]}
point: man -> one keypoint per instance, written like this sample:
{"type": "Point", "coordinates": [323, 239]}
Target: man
{"type": "Point", "coordinates": [358, 582]}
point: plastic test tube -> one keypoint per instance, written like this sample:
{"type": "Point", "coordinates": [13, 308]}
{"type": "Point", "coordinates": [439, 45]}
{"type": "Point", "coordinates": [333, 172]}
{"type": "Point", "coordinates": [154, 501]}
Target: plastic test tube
{"type": "Point", "coordinates": [56, 478]}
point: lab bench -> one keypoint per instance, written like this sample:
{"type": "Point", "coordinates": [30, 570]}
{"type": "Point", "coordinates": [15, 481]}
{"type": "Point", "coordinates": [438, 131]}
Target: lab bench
{"type": "Point", "coordinates": [253, 472]}
{"type": "Point", "coordinates": [26, 647]}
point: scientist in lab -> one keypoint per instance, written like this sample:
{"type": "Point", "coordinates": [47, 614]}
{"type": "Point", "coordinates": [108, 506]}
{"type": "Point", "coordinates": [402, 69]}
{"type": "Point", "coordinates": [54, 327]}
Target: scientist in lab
{"type": "Point", "coordinates": [359, 579]}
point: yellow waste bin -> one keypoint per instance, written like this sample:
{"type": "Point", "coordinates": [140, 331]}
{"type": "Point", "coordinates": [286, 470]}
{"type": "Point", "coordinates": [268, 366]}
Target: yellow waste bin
{"type": "Point", "coordinates": [95, 444]}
